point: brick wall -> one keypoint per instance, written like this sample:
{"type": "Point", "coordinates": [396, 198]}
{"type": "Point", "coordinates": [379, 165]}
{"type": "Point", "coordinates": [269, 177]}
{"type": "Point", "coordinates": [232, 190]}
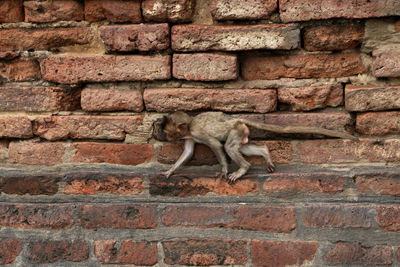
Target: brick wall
{"type": "Point", "coordinates": [82, 82]}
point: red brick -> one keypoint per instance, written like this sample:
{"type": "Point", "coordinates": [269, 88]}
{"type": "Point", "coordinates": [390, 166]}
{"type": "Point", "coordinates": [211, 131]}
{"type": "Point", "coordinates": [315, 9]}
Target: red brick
{"type": "Point", "coordinates": [3, 150]}
{"type": "Point", "coordinates": [175, 11]}
{"type": "Point", "coordinates": [302, 66]}
{"type": "Point", "coordinates": [111, 100]}
{"type": "Point", "coordinates": [189, 186]}
{"type": "Point", "coordinates": [15, 127]}
{"type": "Point", "coordinates": [86, 127]}
{"type": "Point", "coordinates": [8, 55]}
{"type": "Point", "coordinates": [303, 10]}
{"type": "Point", "coordinates": [256, 218]}
{"type": "Point", "coordinates": [36, 216]}
{"type": "Point", "coordinates": [345, 151]}
{"type": "Point", "coordinates": [20, 70]}
{"type": "Point", "coordinates": [355, 253]}
{"type": "Point", "coordinates": [42, 39]}
{"type": "Point", "coordinates": [141, 37]}
{"type": "Point", "coordinates": [128, 252]}
{"type": "Point", "coordinates": [9, 250]}
{"type": "Point", "coordinates": [313, 182]}
{"type": "Point", "coordinates": [333, 37]}
{"type": "Point", "coordinates": [99, 183]}
{"type": "Point", "coordinates": [366, 98]}
{"type": "Point", "coordinates": [125, 154]}
{"type": "Point", "coordinates": [335, 216]}
{"type": "Point", "coordinates": [236, 100]}
{"type": "Point", "coordinates": [38, 98]}
{"type": "Point", "coordinates": [388, 218]}
{"type": "Point", "coordinates": [281, 152]}
{"type": "Point", "coordinates": [117, 11]}
{"type": "Point", "coordinates": [31, 153]}
{"type": "Point", "coordinates": [282, 253]}
{"type": "Point", "coordinates": [386, 63]}
{"type": "Point", "coordinates": [309, 98]}
{"type": "Point", "coordinates": [118, 216]}
{"type": "Point", "coordinates": [11, 11]}
{"type": "Point", "coordinates": [205, 66]}
{"type": "Point", "coordinates": [205, 252]}
{"type": "Point", "coordinates": [31, 184]}
{"type": "Point", "coordinates": [240, 10]}
{"type": "Point", "coordinates": [54, 251]}
{"type": "Point", "coordinates": [107, 68]}
{"type": "Point", "coordinates": [51, 11]}
{"type": "Point", "coordinates": [233, 38]}
{"type": "Point", "coordinates": [378, 123]}
{"type": "Point", "coordinates": [381, 183]}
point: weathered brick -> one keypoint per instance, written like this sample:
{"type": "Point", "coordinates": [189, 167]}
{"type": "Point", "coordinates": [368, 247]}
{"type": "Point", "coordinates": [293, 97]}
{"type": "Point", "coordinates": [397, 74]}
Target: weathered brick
{"type": "Point", "coordinates": [312, 182]}
{"type": "Point", "coordinates": [3, 150]}
{"type": "Point", "coordinates": [333, 37]}
{"type": "Point", "coordinates": [302, 66]}
{"type": "Point", "coordinates": [282, 253]}
{"type": "Point", "coordinates": [378, 123]}
{"type": "Point", "coordinates": [335, 216]}
{"type": "Point", "coordinates": [51, 11]}
{"type": "Point", "coordinates": [355, 253]}
{"type": "Point", "coordinates": [103, 183]}
{"type": "Point", "coordinates": [381, 183]}
{"type": "Point", "coordinates": [111, 100]}
{"type": "Point", "coordinates": [54, 251]}
{"type": "Point", "coordinates": [31, 184]}
{"type": "Point", "coordinates": [11, 11]}
{"type": "Point", "coordinates": [31, 153]}
{"type": "Point", "coordinates": [38, 98]}
{"type": "Point", "coordinates": [189, 186]}
{"type": "Point", "coordinates": [141, 37]}
{"type": "Point", "coordinates": [9, 250]}
{"type": "Point", "coordinates": [309, 98]}
{"type": "Point", "coordinates": [281, 152]}
{"type": "Point", "coordinates": [20, 70]}
{"type": "Point", "coordinates": [242, 10]}
{"type": "Point", "coordinates": [118, 216]}
{"type": "Point", "coordinates": [42, 39]}
{"type": "Point", "coordinates": [205, 252]}
{"type": "Point", "coordinates": [125, 154]}
{"type": "Point", "coordinates": [388, 218]}
{"type": "Point", "coordinates": [175, 11]}
{"type": "Point", "coordinates": [107, 68]}
{"type": "Point", "coordinates": [117, 11]}
{"type": "Point", "coordinates": [233, 38]}
{"type": "Point", "coordinates": [366, 98]}
{"type": "Point", "coordinates": [36, 216]}
{"type": "Point", "coordinates": [15, 127]}
{"type": "Point", "coordinates": [205, 66]}
{"type": "Point", "coordinates": [240, 100]}
{"type": "Point", "coordinates": [128, 252]}
{"type": "Point", "coordinates": [262, 218]}
{"type": "Point", "coordinates": [302, 10]}
{"type": "Point", "coordinates": [386, 63]}
{"type": "Point", "coordinates": [86, 127]}
{"type": "Point", "coordinates": [8, 55]}
{"type": "Point", "coordinates": [345, 151]}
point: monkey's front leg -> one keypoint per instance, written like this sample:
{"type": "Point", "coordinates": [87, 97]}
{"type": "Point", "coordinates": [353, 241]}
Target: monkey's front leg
{"type": "Point", "coordinates": [185, 156]}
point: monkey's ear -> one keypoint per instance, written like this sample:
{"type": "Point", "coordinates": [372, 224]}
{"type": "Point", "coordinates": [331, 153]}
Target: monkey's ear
{"type": "Point", "coordinates": [182, 126]}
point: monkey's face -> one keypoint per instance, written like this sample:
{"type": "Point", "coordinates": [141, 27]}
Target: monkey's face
{"type": "Point", "coordinates": [175, 132]}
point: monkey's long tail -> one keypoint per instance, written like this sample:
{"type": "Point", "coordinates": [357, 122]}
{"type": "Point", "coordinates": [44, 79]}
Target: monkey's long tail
{"type": "Point", "coordinates": [299, 129]}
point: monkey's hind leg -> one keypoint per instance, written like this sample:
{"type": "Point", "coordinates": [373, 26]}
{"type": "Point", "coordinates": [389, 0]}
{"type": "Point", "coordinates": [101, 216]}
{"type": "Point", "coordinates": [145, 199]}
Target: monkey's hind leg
{"type": "Point", "coordinates": [253, 150]}
{"type": "Point", "coordinates": [232, 146]}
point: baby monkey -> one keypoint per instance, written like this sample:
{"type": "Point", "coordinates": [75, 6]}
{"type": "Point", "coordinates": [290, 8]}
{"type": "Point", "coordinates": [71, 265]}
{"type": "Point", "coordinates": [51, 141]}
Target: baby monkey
{"type": "Point", "coordinates": [212, 128]}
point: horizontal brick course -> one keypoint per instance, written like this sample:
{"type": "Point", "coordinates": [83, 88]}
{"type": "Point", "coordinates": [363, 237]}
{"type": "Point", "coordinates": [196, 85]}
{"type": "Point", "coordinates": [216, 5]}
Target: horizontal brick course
{"type": "Point", "coordinates": [380, 183]}
{"type": "Point", "coordinates": [372, 98]}
{"type": "Point", "coordinates": [11, 11]}
{"type": "Point", "coordinates": [107, 68]}
{"type": "Point", "coordinates": [378, 123]}
{"type": "Point", "coordinates": [240, 10]}
{"type": "Point", "coordinates": [32, 184]}
{"type": "Point", "coordinates": [9, 250]}
{"type": "Point", "coordinates": [241, 100]}
{"type": "Point", "coordinates": [31, 153]}
{"type": "Point", "coordinates": [15, 127]}
{"type": "Point", "coordinates": [302, 10]}
{"type": "Point", "coordinates": [301, 66]}
{"type": "Point", "coordinates": [51, 11]}
{"type": "Point", "coordinates": [388, 217]}
{"type": "Point", "coordinates": [205, 67]}
{"type": "Point", "coordinates": [175, 11]}
{"type": "Point", "coordinates": [233, 38]}
{"type": "Point", "coordinates": [117, 11]}
{"type": "Point", "coordinates": [54, 251]}
{"type": "Point", "coordinates": [20, 70]}
{"type": "Point", "coordinates": [141, 37]}
{"type": "Point", "coordinates": [386, 63]}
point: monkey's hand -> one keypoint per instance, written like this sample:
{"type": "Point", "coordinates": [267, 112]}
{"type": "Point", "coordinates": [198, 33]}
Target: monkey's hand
{"type": "Point", "coordinates": [270, 167]}
{"type": "Point", "coordinates": [167, 174]}
{"type": "Point", "coordinates": [222, 174]}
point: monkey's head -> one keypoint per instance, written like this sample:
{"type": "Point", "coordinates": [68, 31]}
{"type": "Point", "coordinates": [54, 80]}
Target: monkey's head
{"type": "Point", "coordinates": [177, 125]}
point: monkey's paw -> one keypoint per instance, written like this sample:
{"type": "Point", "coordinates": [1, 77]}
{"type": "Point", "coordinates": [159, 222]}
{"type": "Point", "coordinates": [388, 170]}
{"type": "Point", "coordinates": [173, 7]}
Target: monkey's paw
{"type": "Point", "coordinates": [223, 175]}
{"type": "Point", "coordinates": [270, 167]}
{"type": "Point", "coordinates": [166, 174]}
